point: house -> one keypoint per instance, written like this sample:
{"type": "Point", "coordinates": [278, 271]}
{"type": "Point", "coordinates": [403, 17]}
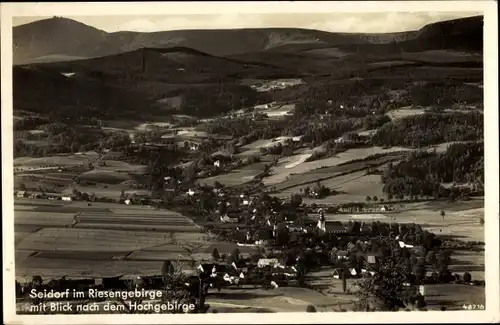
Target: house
{"type": "Point", "coordinates": [322, 223]}
{"type": "Point", "coordinates": [342, 255]}
{"type": "Point", "coordinates": [337, 273]}
{"type": "Point", "coordinates": [190, 192]}
{"type": "Point", "coordinates": [127, 201]}
{"type": "Point", "coordinates": [287, 271]}
{"type": "Point", "coordinates": [228, 219]}
{"type": "Point", "coordinates": [22, 194]}
{"type": "Point", "coordinates": [350, 246]}
{"type": "Point", "coordinates": [335, 227]}
{"type": "Point", "coordinates": [365, 271]}
{"type": "Point", "coordinates": [353, 273]}
{"type": "Point", "coordinates": [263, 262]}
{"type": "Point", "coordinates": [217, 163]}
{"type": "Point", "coordinates": [371, 258]}
{"type": "Point", "coordinates": [67, 198]}
{"type": "Point", "coordinates": [402, 245]}
{"type": "Point", "coordinates": [385, 208]}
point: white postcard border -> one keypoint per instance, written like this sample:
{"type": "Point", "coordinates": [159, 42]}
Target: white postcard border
{"type": "Point", "coordinates": [489, 8]}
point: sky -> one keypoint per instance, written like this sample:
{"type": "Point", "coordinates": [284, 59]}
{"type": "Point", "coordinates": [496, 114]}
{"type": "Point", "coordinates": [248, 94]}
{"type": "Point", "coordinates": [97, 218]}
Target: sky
{"type": "Point", "coordinates": [379, 22]}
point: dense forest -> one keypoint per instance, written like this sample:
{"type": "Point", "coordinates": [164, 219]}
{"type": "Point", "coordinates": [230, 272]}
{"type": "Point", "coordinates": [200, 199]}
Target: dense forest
{"type": "Point", "coordinates": [423, 173]}
{"type": "Point", "coordinates": [430, 128]}
{"type": "Point", "coordinates": [218, 99]}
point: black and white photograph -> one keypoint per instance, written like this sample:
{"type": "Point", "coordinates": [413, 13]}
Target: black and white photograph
{"type": "Point", "coordinates": [210, 162]}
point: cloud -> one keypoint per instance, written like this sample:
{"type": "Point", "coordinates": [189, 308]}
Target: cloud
{"type": "Point", "coordinates": [334, 22]}
{"type": "Point", "coordinates": [224, 21]}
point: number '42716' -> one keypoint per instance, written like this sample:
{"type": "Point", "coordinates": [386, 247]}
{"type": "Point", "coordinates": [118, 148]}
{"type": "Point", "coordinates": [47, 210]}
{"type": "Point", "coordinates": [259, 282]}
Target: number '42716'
{"type": "Point", "coordinates": [473, 307]}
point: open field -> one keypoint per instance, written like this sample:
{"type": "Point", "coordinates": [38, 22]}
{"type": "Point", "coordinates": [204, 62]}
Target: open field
{"type": "Point", "coordinates": [30, 163]}
{"type": "Point", "coordinates": [281, 173]}
{"type": "Point", "coordinates": [283, 299]}
{"type": "Point", "coordinates": [234, 178]}
{"type": "Point", "coordinates": [404, 112]}
{"type": "Point", "coordinates": [106, 191]}
{"type": "Point", "coordinates": [104, 176]}
{"type": "Point", "coordinates": [102, 240]}
{"type": "Point", "coordinates": [354, 187]}
{"type": "Point", "coordinates": [121, 167]}
{"type": "Point", "coordinates": [309, 177]}
{"type": "Point", "coordinates": [443, 56]}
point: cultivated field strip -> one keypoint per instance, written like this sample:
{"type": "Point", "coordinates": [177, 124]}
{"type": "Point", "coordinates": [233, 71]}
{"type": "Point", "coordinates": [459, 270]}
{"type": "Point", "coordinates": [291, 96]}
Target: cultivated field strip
{"type": "Point", "coordinates": [69, 209]}
{"type": "Point", "coordinates": [322, 174]}
{"type": "Point", "coordinates": [234, 178]}
{"type": "Point", "coordinates": [21, 255]}
{"type": "Point", "coordinates": [58, 254]}
{"type": "Point", "coordinates": [38, 203]}
{"type": "Point", "coordinates": [103, 240]}
{"type": "Point", "coordinates": [19, 236]}
{"type": "Point", "coordinates": [26, 229]}
{"type": "Point", "coordinates": [141, 210]}
{"type": "Point", "coordinates": [55, 268]}
{"type": "Point", "coordinates": [151, 228]}
{"type": "Point", "coordinates": [161, 255]}
{"type": "Point", "coordinates": [43, 219]}
{"type": "Point", "coordinates": [133, 219]}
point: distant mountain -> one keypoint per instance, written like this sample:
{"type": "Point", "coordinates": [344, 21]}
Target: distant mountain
{"type": "Point", "coordinates": [55, 39]}
{"type": "Point", "coordinates": [59, 39]}
{"type": "Point", "coordinates": [45, 92]}
{"type": "Point", "coordinates": [141, 82]}
{"type": "Point", "coordinates": [175, 65]}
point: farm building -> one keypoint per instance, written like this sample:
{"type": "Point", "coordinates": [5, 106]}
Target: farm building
{"type": "Point", "coordinates": [339, 254]}
{"type": "Point", "coordinates": [67, 198]}
{"type": "Point", "coordinates": [337, 273]}
{"type": "Point", "coordinates": [228, 219]}
{"type": "Point", "coordinates": [349, 273]}
{"type": "Point", "coordinates": [335, 227]}
{"type": "Point", "coordinates": [263, 262]}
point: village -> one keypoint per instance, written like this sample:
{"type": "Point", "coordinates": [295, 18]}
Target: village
{"type": "Point", "coordinates": [278, 243]}
{"type": "Point", "coordinates": [304, 171]}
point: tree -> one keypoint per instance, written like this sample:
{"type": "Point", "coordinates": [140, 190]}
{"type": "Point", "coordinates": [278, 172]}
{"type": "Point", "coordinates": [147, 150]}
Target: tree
{"type": "Point", "coordinates": [344, 281]}
{"type": "Point", "coordinates": [296, 200]}
{"type": "Point", "coordinates": [481, 221]}
{"type": "Point", "coordinates": [375, 198]}
{"type": "Point", "coordinates": [368, 198]}
{"type": "Point", "coordinates": [235, 256]}
{"type": "Point", "coordinates": [443, 214]}
{"type": "Point", "coordinates": [310, 309]}
{"type": "Point", "coordinates": [467, 277]}
{"type": "Point", "coordinates": [282, 235]}
{"type": "Point", "coordinates": [385, 290]}
{"type": "Point", "coordinates": [22, 187]}
{"type": "Point", "coordinates": [175, 288]}
{"type": "Point", "coordinates": [215, 254]}
{"type": "Point", "coordinates": [167, 271]}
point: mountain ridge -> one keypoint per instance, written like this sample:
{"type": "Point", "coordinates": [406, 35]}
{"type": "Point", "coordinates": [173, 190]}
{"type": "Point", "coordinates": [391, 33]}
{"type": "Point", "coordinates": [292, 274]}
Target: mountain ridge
{"type": "Point", "coordinates": [53, 39]}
